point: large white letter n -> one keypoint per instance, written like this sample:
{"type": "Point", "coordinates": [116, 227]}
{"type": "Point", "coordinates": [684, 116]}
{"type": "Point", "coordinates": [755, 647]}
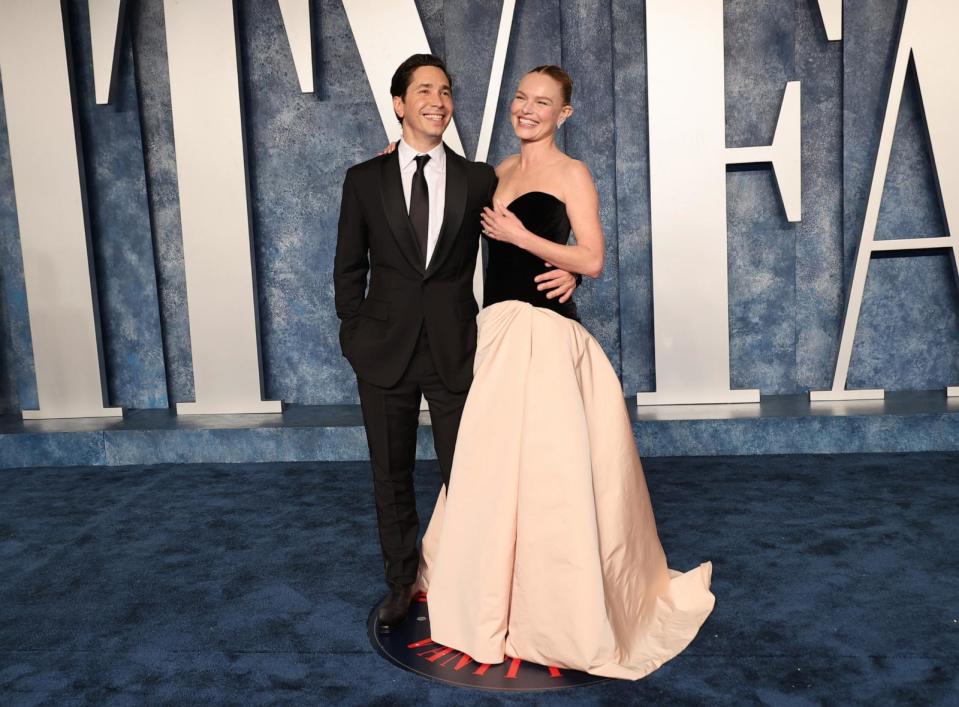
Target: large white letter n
{"type": "Point", "coordinates": [51, 208]}
{"type": "Point", "coordinates": [211, 173]}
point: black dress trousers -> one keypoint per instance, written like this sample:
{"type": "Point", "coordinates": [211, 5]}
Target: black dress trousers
{"type": "Point", "coordinates": [391, 416]}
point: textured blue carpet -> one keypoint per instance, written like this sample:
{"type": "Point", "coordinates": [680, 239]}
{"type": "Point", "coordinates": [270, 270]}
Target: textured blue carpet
{"type": "Point", "coordinates": [836, 583]}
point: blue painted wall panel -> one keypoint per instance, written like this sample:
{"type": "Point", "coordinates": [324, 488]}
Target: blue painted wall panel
{"type": "Point", "coordinates": [470, 30]}
{"type": "Point", "coordinates": [299, 147]}
{"type": "Point", "coordinates": [759, 49]}
{"type": "Point", "coordinates": [19, 389]}
{"type": "Point", "coordinates": [634, 249]}
{"type": "Point", "coordinates": [787, 282]}
{"type": "Point", "coordinates": [819, 236]}
{"type": "Point", "coordinates": [120, 226]}
{"type": "Point", "coordinates": [153, 91]}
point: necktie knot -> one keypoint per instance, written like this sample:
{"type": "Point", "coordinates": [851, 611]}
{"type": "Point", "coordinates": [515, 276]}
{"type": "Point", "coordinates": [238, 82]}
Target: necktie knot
{"type": "Point", "coordinates": [421, 161]}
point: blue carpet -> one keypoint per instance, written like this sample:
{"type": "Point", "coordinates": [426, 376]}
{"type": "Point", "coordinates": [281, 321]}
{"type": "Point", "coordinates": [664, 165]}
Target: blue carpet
{"type": "Point", "coordinates": [835, 576]}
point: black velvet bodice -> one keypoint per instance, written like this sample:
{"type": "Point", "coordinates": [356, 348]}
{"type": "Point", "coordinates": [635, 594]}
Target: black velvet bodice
{"type": "Point", "coordinates": [510, 270]}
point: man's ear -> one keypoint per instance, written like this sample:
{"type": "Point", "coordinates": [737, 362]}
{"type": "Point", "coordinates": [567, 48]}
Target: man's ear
{"type": "Point", "coordinates": [399, 107]}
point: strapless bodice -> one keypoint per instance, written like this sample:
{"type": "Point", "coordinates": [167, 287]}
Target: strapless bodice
{"type": "Point", "coordinates": [510, 270]}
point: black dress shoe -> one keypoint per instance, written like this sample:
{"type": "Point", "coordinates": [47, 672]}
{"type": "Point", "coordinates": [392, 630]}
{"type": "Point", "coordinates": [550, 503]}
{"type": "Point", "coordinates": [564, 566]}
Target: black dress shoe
{"type": "Point", "coordinates": [392, 610]}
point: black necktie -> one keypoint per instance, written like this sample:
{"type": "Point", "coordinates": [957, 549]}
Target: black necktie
{"type": "Point", "coordinates": [420, 204]}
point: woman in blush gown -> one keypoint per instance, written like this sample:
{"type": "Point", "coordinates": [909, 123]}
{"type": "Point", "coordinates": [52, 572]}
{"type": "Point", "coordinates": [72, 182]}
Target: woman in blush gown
{"type": "Point", "coordinates": [545, 546]}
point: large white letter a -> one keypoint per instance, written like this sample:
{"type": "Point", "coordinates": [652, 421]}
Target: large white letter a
{"type": "Point", "coordinates": [928, 36]}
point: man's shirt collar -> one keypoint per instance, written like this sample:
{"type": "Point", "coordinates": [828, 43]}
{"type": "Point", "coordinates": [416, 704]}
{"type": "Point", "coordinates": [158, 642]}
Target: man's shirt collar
{"type": "Point", "coordinates": [437, 156]}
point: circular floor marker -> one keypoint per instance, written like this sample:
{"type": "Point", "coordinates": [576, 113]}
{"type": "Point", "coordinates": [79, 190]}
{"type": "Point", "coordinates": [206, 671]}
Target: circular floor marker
{"type": "Point", "coordinates": [410, 647]}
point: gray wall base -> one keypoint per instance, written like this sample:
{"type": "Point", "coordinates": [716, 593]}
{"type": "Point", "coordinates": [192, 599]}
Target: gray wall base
{"type": "Point", "coordinates": [904, 422]}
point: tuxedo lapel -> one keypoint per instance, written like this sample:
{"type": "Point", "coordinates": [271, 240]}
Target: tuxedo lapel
{"type": "Point", "coordinates": [453, 210]}
{"type": "Point", "coordinates": [394, 204]}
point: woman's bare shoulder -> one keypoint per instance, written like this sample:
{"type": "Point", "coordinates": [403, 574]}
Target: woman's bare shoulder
{"type": "Point", "coordinates": [574, 169]}
{"type": "Point", "coordinates": [506, 165]}
{"type": "Point", "coordinates": [576, 179]}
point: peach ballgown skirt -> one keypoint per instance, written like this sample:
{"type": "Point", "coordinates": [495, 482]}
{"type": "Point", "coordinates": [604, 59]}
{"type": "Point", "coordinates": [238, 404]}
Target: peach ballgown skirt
{"type": "Point", "coordinates": [545, 547]}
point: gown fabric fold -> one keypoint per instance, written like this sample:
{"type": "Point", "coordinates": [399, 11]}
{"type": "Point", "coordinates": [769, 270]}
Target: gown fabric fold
{"type": "Point", "coordinates": [545, 547]}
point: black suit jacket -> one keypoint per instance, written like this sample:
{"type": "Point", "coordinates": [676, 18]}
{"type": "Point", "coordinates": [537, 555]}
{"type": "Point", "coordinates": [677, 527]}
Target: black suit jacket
{"type": "Point", "coordinates": [381, 323]}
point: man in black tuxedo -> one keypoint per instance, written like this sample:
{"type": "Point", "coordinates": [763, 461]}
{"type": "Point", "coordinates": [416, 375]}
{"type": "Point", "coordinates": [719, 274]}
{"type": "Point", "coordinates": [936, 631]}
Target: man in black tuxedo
{"type": "Point", "coordinates": [411, 221]}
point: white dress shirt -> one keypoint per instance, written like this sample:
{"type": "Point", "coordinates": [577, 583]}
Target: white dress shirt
{"type": "Point", "coordinates": [435, 173]}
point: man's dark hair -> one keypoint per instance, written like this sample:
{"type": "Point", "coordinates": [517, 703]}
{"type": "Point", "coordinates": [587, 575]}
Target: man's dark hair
{"type": "Point", "coordinates": [403, 76]}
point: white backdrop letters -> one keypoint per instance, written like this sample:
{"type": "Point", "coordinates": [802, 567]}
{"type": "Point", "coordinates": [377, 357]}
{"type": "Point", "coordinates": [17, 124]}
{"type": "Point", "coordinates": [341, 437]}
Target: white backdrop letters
{"type": "Point", "coordinates": [688, 161]}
